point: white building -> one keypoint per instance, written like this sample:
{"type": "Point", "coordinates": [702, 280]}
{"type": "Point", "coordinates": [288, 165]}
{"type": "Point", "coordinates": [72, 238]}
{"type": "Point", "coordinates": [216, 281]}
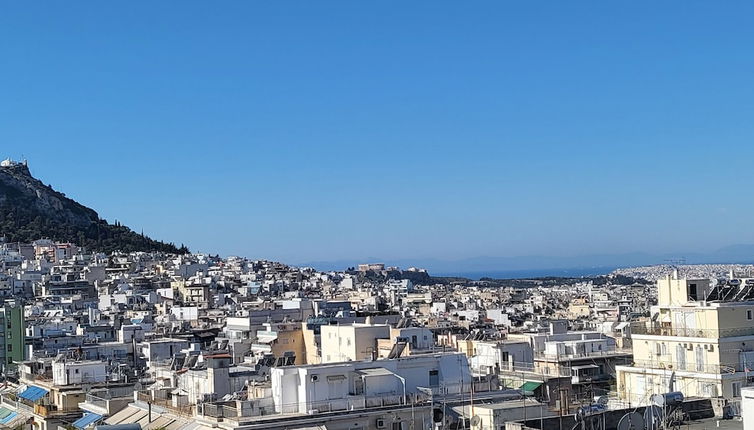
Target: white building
{"type": "Point", "coordinates": [351, 342]}
{"type": "Point", "coordinates": [78, 372]}
{"type": "Point", "coordinates": [360, 384]}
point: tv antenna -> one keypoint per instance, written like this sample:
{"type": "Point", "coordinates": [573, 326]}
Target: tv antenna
{"type": "Point", "coordinates": [675, 261]}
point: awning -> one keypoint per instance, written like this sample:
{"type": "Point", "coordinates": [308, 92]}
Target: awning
{"type": "Point", "coordinates": [267, 338]}
{"type": "Point", "coordinates": [33, 393]}
{"type": "Point", "coordinates": [8, 418]}
{"type": "Point", "coordinates": [585, 366]}
{"type": "Point", "coordinates": [87, 420]}
{"type": "Point", "coordinates": [530, 386]}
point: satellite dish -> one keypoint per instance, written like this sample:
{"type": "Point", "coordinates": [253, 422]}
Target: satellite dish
{"type": "Point", "coordinates": [631, 421]}
{"type": "Point", "coordinates": [475, 420]}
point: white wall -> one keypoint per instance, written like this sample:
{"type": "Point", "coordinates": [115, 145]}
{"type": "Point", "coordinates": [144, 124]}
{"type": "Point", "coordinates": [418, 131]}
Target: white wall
{"type": "Point", "coordinates": [747, 407]}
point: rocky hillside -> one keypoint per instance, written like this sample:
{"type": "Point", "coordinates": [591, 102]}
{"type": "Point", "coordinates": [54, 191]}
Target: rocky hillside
{"type": "Point", "coordinates": [30, 210]}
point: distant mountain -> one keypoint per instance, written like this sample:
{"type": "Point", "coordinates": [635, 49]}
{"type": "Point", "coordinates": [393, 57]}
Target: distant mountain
{"type": "Point", "coordinates": [539, 266]}
{"type": "Point", "coordinates": [31, 210]}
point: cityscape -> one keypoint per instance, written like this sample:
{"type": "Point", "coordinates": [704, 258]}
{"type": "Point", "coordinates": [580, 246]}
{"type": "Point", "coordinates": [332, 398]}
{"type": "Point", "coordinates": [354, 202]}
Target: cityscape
{"type": "Point", "coordinates": [190, 341]}
{"type": "Point", "coordinates": [361, 215]}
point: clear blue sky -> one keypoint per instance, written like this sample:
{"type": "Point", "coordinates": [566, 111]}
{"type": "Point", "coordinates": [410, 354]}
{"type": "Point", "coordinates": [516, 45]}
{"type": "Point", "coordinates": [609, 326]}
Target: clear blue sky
{"type": "Point", "coordinates": [324, 130]}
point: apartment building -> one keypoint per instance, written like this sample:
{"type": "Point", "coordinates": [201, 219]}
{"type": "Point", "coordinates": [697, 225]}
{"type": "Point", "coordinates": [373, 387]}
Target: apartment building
{"type": "Point", "coordinates": [351, 342]}
{"type": "Point", "coordinates": [700, 341]}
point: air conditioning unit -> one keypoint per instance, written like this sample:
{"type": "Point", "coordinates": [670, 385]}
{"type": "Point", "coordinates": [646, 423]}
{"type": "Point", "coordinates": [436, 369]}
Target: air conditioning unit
{"type": "Point", "coordinates": [314, 378]}
{"type": "Point", "coordinates": [381, 424]}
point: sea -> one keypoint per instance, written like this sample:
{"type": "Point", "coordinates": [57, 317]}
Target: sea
{"type": "Point", "coordinates": [531, 273]}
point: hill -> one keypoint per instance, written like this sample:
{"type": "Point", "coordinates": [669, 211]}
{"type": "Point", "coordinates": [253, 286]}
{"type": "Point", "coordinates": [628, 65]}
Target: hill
{"type": "Point", "coordinates": [30, 210]}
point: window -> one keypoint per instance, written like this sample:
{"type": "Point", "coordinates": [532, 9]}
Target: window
{"type": "Point", "coordinates": [680, 357]}
{"type": "Point", "coordinates": [699, 359]}
{"type": "Point", "coordinates": [10, 348]}
{"type": "Point", "coordinates": [749, 314]}
{"type": "Point", "coordinates": [434, 378]}
{"type": "Point", "coordinates": [736, 386]}
{"type": "Point", "coordinates": [692, 292]}
{"type": "Point", "coordinates": [77, 371]}
{"type": "Point", "coordinates": [707, 389]}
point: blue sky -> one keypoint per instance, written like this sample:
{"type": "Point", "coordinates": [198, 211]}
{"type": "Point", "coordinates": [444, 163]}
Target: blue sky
{"type": "Point", "coordinates": [308, 131]}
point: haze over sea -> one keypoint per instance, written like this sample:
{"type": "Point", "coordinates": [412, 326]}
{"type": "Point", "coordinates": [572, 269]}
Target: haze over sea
{"type": "Point", "coordinates": [530, 273]}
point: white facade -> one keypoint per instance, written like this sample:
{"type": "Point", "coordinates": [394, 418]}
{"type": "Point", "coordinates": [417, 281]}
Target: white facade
{"type": "Point", "coordinates": [79, 372]}
{"type": "Point", "coordinates": [351, 342]}
{"type": "Point", "coordinates": [358, 384]}
{"type": "Point", "coordinates": [747, 407]}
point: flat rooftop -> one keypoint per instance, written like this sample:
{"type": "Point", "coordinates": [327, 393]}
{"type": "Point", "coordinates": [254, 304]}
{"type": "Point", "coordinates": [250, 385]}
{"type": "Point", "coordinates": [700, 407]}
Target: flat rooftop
{"type": "Point", "coordinates": [714, 423]}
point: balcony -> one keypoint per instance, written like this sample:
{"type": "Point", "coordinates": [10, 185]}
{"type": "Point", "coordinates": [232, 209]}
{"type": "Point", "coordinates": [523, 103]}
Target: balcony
{"type": "Point", "coordinates": [694, 332]}
{"type": "Point", "coordinates": [589, 379]}
{"type": "Point", "coordinates": [575, 356]}
{"type": "Point", "coordinates": [715, 369]}
{"type": "Point", "coordinates": [50, 410]}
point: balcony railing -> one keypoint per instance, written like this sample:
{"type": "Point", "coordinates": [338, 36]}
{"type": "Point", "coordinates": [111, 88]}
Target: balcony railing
{"type": "Point", "coordinates": [183, 410]}
{"type": "Point", "coordinates": [689, 366]}
{"type": "Point", "coordinates": [583, 379]}
{"type": "Point", "coordinates": [350, 402]}
{"type": "Point", "coordinates": [590, 354]}
{"type": "Point", "coordinates": [48, 410]}
{"type": "Point", "coordinates": [694, 332]}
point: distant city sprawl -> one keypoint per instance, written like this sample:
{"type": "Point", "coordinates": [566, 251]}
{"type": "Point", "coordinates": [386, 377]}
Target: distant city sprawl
{"type": "Point", "coordinates": [193, 340]}
{"type": "Point", "coordinates": [653, 273]}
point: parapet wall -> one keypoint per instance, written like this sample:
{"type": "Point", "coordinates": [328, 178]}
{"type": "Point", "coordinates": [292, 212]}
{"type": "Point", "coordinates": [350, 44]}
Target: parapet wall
{"type": "Point", "coordinates": [694, 408]}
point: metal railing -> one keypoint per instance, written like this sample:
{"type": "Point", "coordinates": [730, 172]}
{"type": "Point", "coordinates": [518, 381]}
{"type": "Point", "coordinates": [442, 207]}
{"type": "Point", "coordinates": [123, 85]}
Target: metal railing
{"type": "Point", "coordinates": [689, 366]}
{"type": "Point", "coordinates": [590, 354]}
{"type": "Point", "coordinates": [693, 332]}
{"type": "Point", "coordinates": [183, 410]}
{"type": "Point", "coordinates": [351, 402]}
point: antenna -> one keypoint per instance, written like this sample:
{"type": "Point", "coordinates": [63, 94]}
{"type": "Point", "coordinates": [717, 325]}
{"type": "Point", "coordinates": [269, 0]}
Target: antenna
{"type": "Point", "coordinates": [675, 261]}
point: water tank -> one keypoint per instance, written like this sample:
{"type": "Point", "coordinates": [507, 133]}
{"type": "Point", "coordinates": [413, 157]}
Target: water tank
{"type": "Point", "coordinates": [668, 399]}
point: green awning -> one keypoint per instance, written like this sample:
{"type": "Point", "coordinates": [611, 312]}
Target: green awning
{"type": "Point", "coordinates": [529, 386]}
